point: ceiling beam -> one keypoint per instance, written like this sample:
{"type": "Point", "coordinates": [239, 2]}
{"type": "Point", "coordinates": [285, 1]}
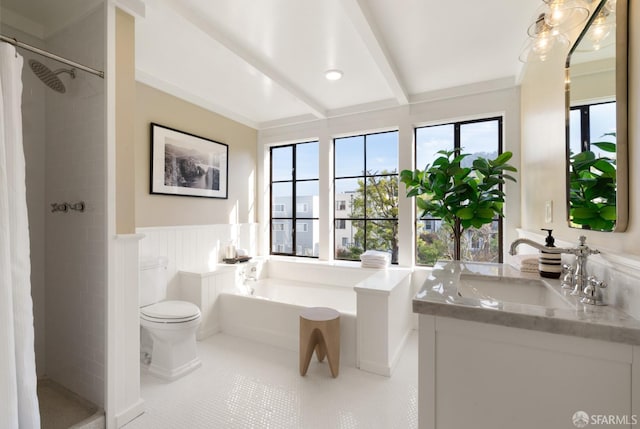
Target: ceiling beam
{"type": "Point", "coordinates": [370, 34]}
{"type": "Point", "coordinates": [248, 57]}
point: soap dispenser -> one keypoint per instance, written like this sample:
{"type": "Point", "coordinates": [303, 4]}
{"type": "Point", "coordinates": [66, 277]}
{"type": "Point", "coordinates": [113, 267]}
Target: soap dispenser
{"type": "Point", "coordinates": [549, 264]}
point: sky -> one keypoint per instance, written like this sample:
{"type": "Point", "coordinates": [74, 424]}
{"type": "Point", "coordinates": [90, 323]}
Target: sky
{"type": "Point", "coordinates": [381, 154]}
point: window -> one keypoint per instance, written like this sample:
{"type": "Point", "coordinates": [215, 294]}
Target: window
{"type": "Point", "coordinates": [366, 180]}
{"type": "Point", "coordinates": [294, 184]}
{"type": "Point", "coordinates": [433, 241]}
{"type": "Point", "coordinates": [592, 123]}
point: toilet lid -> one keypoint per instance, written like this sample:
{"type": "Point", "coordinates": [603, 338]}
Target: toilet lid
{"type": "Point", "coordinates": [170, 312]}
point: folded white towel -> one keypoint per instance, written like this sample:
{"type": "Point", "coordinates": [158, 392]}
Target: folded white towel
{"type": "Point", "coordinates": [529, 269]}
{"type": "Point", "coordinates": [526, 263]}
{"type": "Point", "coordinates": [375, 259]}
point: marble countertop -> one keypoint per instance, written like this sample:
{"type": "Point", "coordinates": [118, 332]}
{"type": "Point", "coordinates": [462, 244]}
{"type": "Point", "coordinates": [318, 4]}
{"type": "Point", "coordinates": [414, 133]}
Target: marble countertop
{"type": "Point", "coordinates": [439, 296]}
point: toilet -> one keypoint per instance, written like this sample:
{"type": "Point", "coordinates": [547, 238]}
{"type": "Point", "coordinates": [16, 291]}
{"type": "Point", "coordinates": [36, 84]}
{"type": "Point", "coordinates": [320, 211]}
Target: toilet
{"type": "Point", "coordinates": [168, 328]}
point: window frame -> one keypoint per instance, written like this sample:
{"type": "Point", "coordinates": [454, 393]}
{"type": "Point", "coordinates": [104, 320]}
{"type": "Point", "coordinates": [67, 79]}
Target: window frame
{"type": "Point", "coordinates": [365, 176]}
{"type": "Point", "coordinates": [294, 219]}
{"type": "Point", "coordinates": [456, 146]}
{"type": "Point", "coordinates": [585, 122]}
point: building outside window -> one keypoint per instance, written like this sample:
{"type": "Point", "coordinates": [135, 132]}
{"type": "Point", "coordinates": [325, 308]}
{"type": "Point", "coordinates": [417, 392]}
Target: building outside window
{"type": "Point", "coordinates": [294, 183]}
{"type": "Point", "coordinates": [366, 195]}
{"type": "Point", "coordinates": [433, 239]}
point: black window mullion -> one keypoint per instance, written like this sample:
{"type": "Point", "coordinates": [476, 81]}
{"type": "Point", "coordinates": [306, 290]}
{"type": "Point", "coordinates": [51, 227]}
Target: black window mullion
{"type": "Point", "coordinates": [294, 203]}
{"type": "Point", "coordinates": [585, 129]}
{"type": "Point", "coordinates": [364, 198]}
{"type": "Point", "coordinates": [457, 244]}
{"type": "Point", "coordinates": [500, 186]}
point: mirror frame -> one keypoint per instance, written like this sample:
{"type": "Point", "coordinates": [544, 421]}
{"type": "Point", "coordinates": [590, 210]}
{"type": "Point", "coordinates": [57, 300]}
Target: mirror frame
{"type": "Point", "coordinates": [622, 159]}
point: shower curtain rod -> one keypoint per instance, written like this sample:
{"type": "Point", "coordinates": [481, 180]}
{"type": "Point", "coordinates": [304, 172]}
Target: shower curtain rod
{"type": "Point", "coordinates": [39, 51]}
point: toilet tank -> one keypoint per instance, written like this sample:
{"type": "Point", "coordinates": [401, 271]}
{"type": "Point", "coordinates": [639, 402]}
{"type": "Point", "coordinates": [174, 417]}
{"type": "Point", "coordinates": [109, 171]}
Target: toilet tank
{"type": "Point", "coordinates": [153, 280]}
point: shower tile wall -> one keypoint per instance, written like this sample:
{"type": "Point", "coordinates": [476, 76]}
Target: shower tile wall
{"type": "Point", "coordinates": [75, 242]}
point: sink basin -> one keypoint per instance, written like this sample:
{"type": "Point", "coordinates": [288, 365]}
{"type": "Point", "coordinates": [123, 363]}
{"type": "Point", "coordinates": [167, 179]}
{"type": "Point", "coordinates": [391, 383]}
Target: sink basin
{"type": "Point", "coordinates": [511, 289]}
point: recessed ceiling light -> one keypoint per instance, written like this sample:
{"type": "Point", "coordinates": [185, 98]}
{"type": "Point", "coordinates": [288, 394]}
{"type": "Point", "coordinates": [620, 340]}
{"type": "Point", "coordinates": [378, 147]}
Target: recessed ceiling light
{"type": "Point", "coordinates": [333, 74]}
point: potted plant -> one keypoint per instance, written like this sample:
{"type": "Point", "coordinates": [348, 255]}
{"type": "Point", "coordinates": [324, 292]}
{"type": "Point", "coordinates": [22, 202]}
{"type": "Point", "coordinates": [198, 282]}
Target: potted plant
{"type": "Point", "coordinates": [462, 197]}
{"type": "Point", "coordinates": [592, 188]}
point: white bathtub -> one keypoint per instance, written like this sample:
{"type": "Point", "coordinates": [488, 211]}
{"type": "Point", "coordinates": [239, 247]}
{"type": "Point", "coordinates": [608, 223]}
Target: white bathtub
{"type": "Point", "coordinates": [374, 303]}
{"type": "Point", "coordinates": [271, 314]}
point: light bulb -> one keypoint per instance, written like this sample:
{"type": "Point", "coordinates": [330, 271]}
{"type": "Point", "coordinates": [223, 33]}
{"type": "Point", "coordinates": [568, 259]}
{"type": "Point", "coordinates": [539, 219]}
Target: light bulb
{"type": "Point", "coordinates": [599, 31]}
{"type": "Point", "coordinates": [565, 14]}
{"type": "Point", "coordinates": [333, 74]}
{"type": "Point", "coordinates": [556, 14]}
{"type": "Point", "coordinates": [543, 44]}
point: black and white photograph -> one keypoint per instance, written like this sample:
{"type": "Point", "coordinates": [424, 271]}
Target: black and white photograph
{"type": "Point", "coordinates": [186, 164]}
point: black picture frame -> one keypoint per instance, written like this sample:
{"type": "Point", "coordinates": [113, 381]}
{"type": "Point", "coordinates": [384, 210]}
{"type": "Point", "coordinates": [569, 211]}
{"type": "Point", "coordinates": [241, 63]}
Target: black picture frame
{"type": "Point", "coordinates": [185, 164]}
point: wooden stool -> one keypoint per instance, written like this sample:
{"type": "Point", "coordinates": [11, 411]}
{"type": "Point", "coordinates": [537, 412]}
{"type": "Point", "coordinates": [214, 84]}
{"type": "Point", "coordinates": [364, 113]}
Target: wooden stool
{"type": "Point", "coordinates": [320, 331]}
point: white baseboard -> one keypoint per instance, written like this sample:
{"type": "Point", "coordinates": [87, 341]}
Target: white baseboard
{"type": "Point", "coordinates": [130, 413]}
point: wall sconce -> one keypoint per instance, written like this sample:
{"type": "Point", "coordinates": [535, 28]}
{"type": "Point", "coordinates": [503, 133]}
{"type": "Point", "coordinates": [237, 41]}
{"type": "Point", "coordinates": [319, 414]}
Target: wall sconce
{"type": "Point", "coordinates": [541, 41]}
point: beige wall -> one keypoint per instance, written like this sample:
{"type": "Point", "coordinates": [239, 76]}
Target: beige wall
{"type": "Point", "coordinates": [153, 105]}
{"type": "Point", "coordinates": [125, 125]}
{"type": "Point", "coordinates": [593, 82]}
{"type": "Point", "coordinates": [543, 150]}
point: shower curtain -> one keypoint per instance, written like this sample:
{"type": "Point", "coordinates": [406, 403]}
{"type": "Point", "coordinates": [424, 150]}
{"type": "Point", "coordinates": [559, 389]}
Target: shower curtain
{"type": "Point", "coordinates": [18, 398]}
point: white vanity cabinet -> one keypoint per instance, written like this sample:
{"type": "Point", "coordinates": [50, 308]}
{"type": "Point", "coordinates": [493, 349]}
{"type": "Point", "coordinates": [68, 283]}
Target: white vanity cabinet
{"type": "Point", "coordinates": [481, 375]}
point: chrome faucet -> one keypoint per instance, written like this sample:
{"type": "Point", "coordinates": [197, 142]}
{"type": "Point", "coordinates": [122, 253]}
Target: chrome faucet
{"type": "Point", "coordinates": [585, 286]}
{"type": "Point", "coordinates": [249, 274]}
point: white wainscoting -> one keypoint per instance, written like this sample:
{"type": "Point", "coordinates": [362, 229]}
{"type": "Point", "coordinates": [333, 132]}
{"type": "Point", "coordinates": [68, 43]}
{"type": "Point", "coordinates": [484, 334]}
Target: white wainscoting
{"type": "Point", "coordinates": [196, 248]}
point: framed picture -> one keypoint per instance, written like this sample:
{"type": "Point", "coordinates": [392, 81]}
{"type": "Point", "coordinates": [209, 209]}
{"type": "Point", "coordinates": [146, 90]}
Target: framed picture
{"type": "Point", "coordinates": [188, 165]}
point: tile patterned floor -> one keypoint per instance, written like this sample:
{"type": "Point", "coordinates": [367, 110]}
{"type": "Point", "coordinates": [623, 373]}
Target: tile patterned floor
{"type": "Point", "coordinates": [244, 384]}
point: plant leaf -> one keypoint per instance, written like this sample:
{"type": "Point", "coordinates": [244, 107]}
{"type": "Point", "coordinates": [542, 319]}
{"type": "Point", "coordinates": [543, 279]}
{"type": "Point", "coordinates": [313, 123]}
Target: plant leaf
{"type": "Point", "coordinates": [465, 213]}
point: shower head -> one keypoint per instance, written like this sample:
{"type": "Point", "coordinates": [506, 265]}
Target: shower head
{"type": "Point", "coordinates": [50, 78]}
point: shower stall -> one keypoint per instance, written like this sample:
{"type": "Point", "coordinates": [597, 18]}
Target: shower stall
{"type": "Point", "coordinates": [63, 115]}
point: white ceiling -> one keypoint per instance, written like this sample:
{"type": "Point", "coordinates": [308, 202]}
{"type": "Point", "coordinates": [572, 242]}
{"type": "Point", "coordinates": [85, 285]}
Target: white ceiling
{"type": "Point", "coordinates": [262, 62]}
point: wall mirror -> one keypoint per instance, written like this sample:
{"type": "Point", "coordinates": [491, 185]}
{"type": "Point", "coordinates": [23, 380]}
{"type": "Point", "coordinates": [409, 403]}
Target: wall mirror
{"type": "Point", "coordinates": [596, 121]}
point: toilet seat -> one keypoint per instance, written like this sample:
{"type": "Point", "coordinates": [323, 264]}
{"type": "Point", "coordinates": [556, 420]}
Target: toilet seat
{"type": "Point", "coordinates": [170, 312]}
